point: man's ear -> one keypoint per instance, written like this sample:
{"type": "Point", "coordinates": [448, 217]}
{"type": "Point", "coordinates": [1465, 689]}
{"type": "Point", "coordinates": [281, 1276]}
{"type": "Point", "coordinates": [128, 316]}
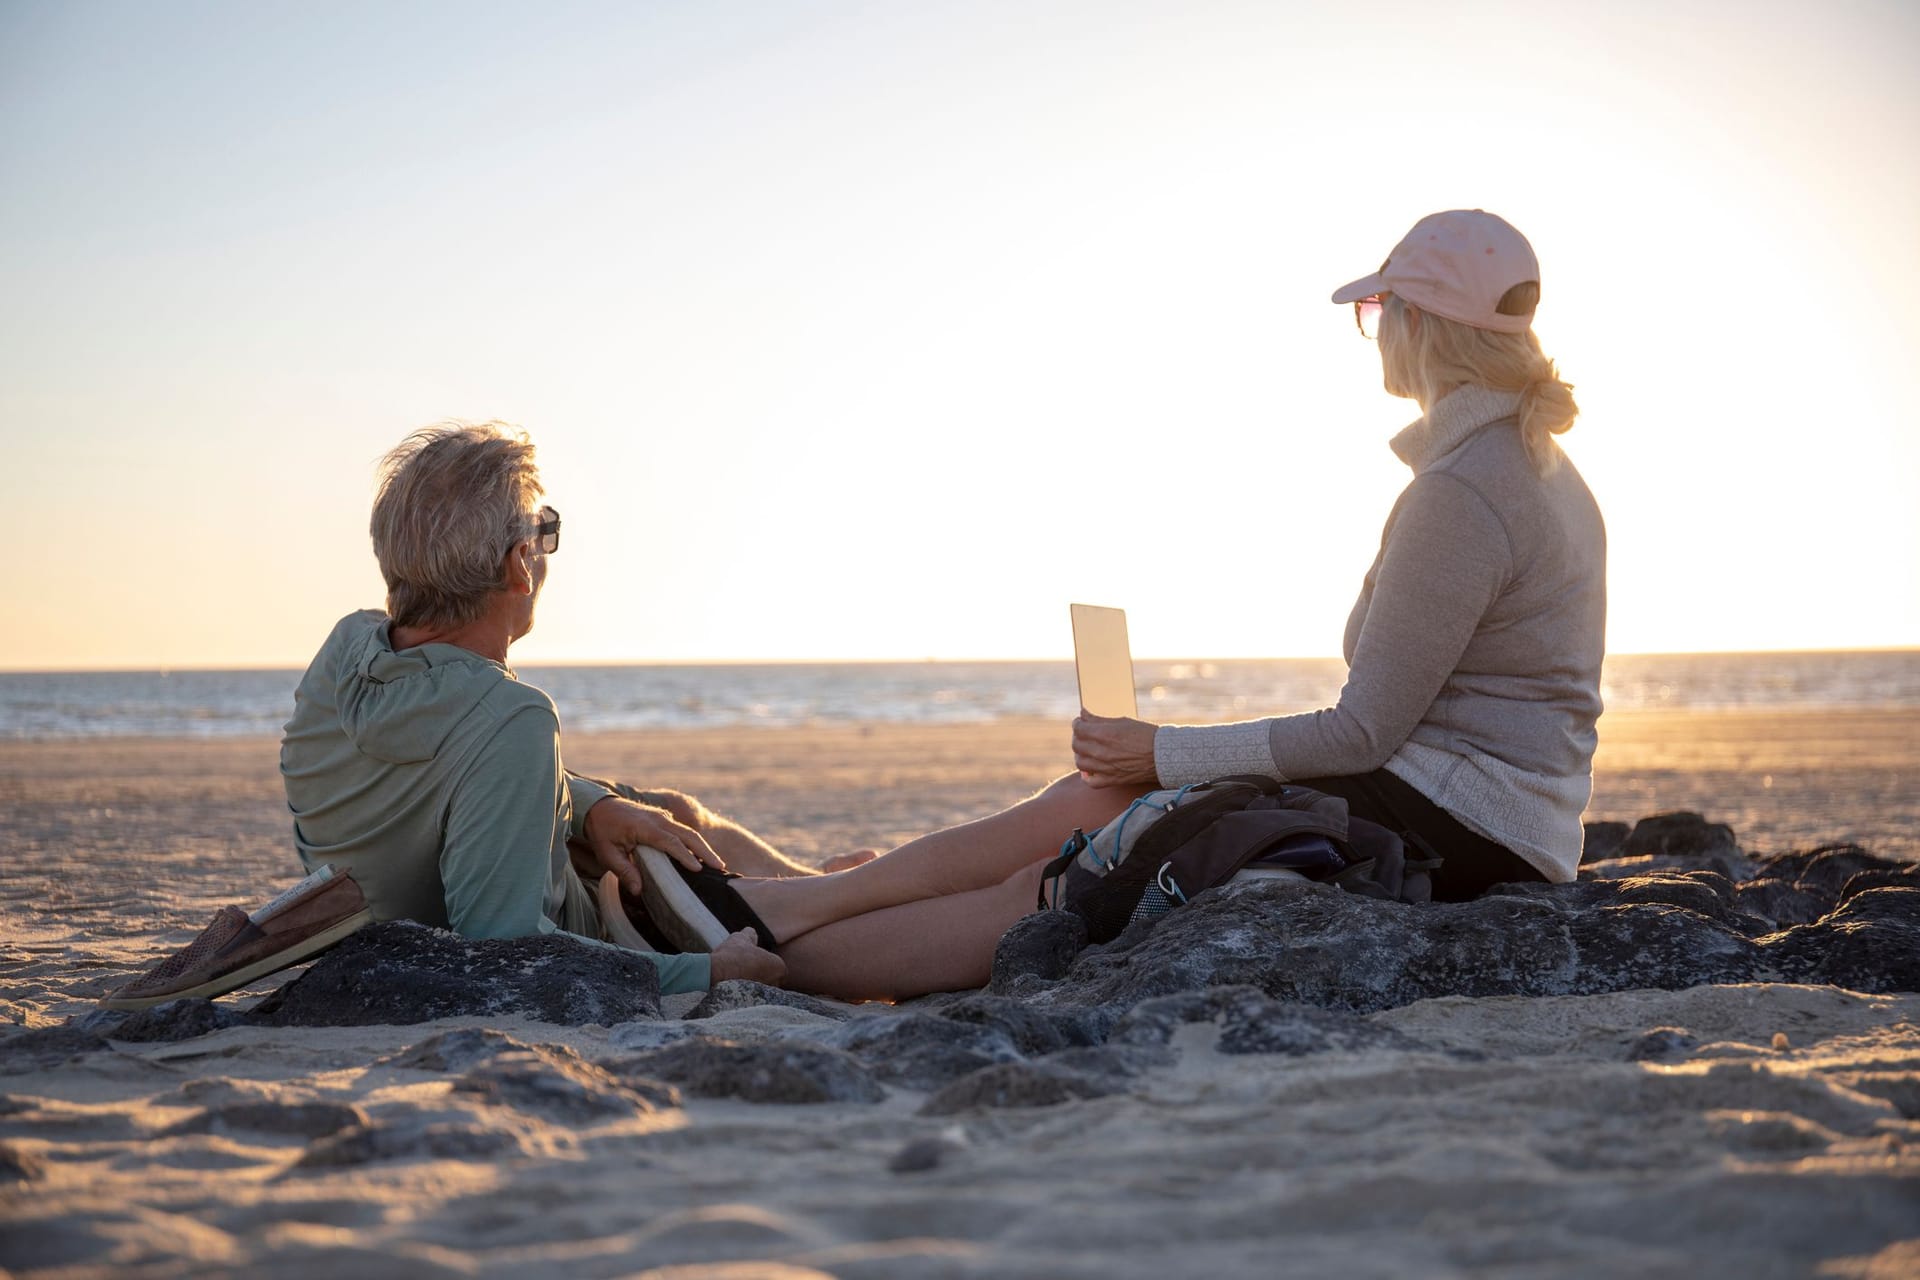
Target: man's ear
{"type": "Point", "coordinates": [516, 575]}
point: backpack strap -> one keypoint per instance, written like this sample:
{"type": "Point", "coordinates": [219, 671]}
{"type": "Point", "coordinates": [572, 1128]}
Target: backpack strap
{"type": "Point", "coordinates": [1057, 867]}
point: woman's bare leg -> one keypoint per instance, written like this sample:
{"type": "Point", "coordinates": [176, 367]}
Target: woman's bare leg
{"type": "Point", "coordinates": [936, 944]}
{"type": "Point", "coordinates": [974, 855]}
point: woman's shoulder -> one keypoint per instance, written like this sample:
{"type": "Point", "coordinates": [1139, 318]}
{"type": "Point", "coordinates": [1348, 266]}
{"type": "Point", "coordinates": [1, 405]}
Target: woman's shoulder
{"type": "Point", "coordinates": [1494, 462]}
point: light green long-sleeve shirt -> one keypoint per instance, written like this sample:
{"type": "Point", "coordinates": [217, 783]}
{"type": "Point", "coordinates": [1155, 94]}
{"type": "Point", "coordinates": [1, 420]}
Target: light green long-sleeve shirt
{"type": "Point", "coordinates": [434, 775]}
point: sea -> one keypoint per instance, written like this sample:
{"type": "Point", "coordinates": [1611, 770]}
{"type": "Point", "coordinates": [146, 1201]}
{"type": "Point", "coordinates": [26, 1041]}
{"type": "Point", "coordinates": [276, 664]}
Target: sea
{"type": "Point", "coordinates": [47, 706]}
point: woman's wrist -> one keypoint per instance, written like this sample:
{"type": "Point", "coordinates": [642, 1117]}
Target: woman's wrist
{"type": "Point", "coordinates": [1184, 754]}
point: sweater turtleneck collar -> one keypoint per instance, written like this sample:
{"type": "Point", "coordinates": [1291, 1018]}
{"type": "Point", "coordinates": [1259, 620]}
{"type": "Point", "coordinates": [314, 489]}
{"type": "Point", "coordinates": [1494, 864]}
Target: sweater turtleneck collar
{"type": "Point", "coordinates": [1459, 414]}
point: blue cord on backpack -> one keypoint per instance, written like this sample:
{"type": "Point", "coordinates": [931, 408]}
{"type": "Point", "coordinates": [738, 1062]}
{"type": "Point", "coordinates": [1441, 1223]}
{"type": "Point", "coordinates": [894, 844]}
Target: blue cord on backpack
{"type": "Point", "coordinates": [1120, 832]}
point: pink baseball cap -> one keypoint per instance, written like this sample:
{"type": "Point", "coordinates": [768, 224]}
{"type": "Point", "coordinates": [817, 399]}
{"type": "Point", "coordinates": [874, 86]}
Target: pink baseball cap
{"type": "Point", "coordinates": [1456, 264]}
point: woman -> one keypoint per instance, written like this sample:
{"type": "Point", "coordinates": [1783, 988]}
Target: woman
{"type": "Point", "coordinates": [1467, 720]}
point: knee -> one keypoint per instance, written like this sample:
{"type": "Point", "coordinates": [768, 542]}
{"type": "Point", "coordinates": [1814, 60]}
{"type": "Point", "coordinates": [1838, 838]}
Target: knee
{"type": "Point", "coordinates": [1070, 786]}
{"type": "Point", "coordinates": [682, 808]}
{"type": "Point", "coordinates": [1071, 801]}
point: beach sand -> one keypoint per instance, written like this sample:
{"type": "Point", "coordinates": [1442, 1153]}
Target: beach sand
{"type": "Point", "coordinates": [1517, 1138]}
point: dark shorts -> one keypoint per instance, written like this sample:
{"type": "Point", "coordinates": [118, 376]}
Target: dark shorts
{"type": "Point", "coordinates": [1471, 864]}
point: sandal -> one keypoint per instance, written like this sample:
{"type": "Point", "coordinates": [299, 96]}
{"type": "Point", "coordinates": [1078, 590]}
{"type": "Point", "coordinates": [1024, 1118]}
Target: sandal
{"type": "Point", "coordinates": [696, 910]}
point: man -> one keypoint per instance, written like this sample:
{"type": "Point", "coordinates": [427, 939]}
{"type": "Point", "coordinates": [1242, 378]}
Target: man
{"type": "Point", "coordinates": [419, 762]}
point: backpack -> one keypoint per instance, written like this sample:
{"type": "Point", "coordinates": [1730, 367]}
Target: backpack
{"type": "Point", "coordinates": [1170, 845]}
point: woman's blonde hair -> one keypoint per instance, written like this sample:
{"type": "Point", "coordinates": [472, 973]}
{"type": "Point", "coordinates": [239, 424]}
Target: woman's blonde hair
{"type": "Point", "coordinates": [1440, 353]}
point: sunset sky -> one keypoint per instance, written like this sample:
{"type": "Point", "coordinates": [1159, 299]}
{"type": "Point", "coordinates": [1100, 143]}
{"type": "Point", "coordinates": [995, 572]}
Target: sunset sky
{"type": "Point", "coordinates": [885, 330]}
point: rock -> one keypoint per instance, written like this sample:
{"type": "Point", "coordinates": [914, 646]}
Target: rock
{"type": "Point", "coordinates": [299, 1119]}
{"type": "Point", "coordinates": [1038, 946]}
{"type": "Point", "coordinates": [1251, 1021]}
{"type": "Point", "coordinates": [1618, 948]}
{"type": "Point", "coordinates": [1032, 1029]}
{"type": "Point", "coordinates": [1662, 1044]}
{"type": "Point", "coordinates": [1603, 840]}
{"type": "Point", "coordinates": [1704, 892]}
{"type": "Point", "coordinates": [650, 1035]}
{"type": "Point", "coordinates": [771, 1072]}
{"type": "Point", "coordinates": [1117, 1062]}
{"type": "Point", "coordinates": [922, 1154]}
{"type": "Point", "coordinates": [1780, 902]}
{"type": "Point", "coordinates": [20, 1166]}
{"type": "Point", "coordinates": [1315, 945]}
{"type": "Point", "coordinates": [182, 1019]}
{"type": "Point", "coordinates": [101, 1022]}
{"type": "Point", "coordinates": [739, 993]}
{"type": "Point", "coordinates": [1871, 943]}
{"type": "Point", "coordinates": [400, 972]}
{"type": "Point", "coordinates": [42, 1048]}
{"type": "Point", "coordinates": [1021, 1084]}
{"type": "Point", "coordinates": [1906, 877]}
{"type": "Point", "coordinates": [559, 1086]}
{"type": "Point", "coordinates": [458, 1049]}
{"type": "Point", "coordinates": [410, 1142]}
{"type": "Point", "coordinates": [920, 1051]}
{"type": "Point", "coordinates": [1683, 834]}
{"type": "Point", "coordinates": [1827, 870]}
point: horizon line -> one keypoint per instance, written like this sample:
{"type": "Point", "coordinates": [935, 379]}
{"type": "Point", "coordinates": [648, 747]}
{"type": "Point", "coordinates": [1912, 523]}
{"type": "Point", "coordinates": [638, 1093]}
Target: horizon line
{"type": "Point", "coordinates": [167, 669]}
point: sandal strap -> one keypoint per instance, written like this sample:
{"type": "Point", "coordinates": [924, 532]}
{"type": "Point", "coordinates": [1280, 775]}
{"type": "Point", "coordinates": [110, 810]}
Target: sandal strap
{"type": "Point", "coordinates": [726, 904]}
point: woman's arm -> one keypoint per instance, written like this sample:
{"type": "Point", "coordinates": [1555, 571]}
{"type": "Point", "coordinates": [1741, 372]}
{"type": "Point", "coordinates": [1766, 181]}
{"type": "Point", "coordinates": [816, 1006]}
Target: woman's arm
{"type": "Point", "coordinates": [1444, 560]}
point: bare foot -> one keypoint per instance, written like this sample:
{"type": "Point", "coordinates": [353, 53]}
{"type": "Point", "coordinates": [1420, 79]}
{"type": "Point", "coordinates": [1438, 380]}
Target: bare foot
{"type": "Point", "coordinates": [848, 861]}
{"type": "Point", "coordinates": [613, 915]}
{"type": "Point", "coordinates": [740, 956]}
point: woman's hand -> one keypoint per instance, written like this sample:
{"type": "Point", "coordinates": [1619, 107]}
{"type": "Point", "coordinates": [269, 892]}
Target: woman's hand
{"type": "Point", "coordinates": [1113, 751]}
{"type": "Point", "coordinates": [616, 827]}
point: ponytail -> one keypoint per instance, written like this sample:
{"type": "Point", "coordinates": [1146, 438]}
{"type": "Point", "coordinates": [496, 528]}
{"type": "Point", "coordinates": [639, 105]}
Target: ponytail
{"type": "Point", "coordinates": [1444, 353]}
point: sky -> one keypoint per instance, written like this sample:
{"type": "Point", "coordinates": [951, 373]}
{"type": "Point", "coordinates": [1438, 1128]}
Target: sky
{"type": "Point", "coordinates": [883, 331]}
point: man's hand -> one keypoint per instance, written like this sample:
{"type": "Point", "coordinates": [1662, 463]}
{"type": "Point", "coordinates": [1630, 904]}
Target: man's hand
{"type": "Point", "coordinates": [1113, 751]}
{"type": "Point", "coordinates": [740, 956]}
{"type": "Point", "coordinates": [615, 827]}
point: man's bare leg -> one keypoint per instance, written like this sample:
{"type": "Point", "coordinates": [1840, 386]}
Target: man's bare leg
{"type": "Point", "coordinates": [959, 860]}
{"type": "Point", "coordinates": [936, 944]}
{"type": "Point", "coordinates": [744, 852]}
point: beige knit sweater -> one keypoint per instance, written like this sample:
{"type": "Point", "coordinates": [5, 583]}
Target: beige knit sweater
{"type": "Point", "coordinates": [1474, 650]}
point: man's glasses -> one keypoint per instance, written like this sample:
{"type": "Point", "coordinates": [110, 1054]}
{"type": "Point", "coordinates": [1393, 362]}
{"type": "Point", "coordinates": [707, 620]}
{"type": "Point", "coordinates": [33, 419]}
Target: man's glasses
{"type": "Point", "coordinates": [1366, 315]}
{"type": "Point", "coordinates": [548, 531]}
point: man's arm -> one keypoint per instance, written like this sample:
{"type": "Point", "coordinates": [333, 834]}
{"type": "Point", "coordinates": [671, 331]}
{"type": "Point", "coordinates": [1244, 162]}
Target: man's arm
{"type": "Point", "coordinates": [496, 857]}
{"type": "Point", "coordinates": [497, 861]}
{"type": "Point", "coordinates": [583, 793]}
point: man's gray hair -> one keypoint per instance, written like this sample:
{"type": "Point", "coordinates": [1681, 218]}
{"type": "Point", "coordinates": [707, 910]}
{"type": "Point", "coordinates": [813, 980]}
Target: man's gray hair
{"type": "Point", "coordinates": [453, 500]}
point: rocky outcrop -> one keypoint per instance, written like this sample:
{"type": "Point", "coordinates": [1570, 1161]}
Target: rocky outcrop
{"type": "Point", "coordinates": [1316, 945]}
{"type": "Point", "coordinates": [400, 973]}
{"type": "Point", "coordinates": [1250, 1021]}
{"type": "Point", "coordinates": [559, 1086]}
{"type": "Point", "coordinates": [768, 1072]}
{"type": "Point", "coordinates": [922, 1051]}
{"type": "Point", "coordinates": [40, 1048]}
{"type": "Point", "coordinates": [1263, 967]}
{"type": "Point", "coordinates": [739, 993]}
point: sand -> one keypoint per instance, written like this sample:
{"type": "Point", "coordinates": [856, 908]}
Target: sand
{"type": "Point", "coordinates": [1518, 1138]}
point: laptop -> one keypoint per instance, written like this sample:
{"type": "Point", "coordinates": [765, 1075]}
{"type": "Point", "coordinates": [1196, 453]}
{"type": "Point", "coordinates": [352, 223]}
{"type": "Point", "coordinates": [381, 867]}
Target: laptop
{"type": "Point", "coordinates": [1103, 661]}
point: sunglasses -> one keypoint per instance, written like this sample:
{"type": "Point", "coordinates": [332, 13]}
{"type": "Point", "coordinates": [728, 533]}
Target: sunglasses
{"type": "Point", "coordinates": [1366, 315]}
{"type": "Point", "coordinates": [548, 531]}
